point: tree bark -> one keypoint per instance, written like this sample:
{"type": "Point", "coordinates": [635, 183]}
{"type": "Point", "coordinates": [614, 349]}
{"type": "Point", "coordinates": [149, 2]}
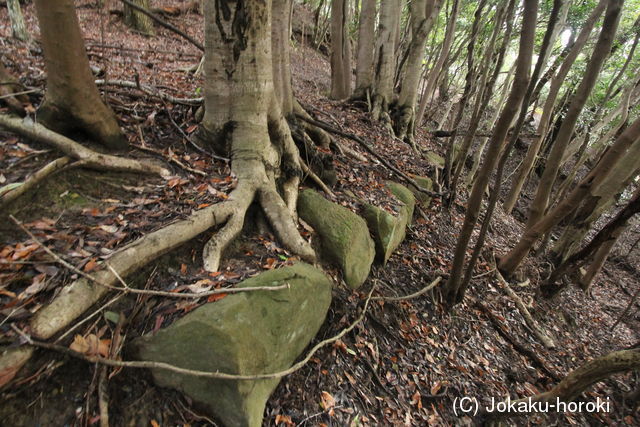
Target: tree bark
{"type": "Point", "coordinates": [72, 101]}
{"type": "Point", "coordinates": [385, 58]}
{"type": "Point", "coordinates": [600, 171]}
{"type": "Point", "coordinates": [18, 28]}
{"type": "Point", "coordinates": [340, 50]}
{"type": "Point", "coordinates": [243, 120]}
{"type": "Point", "coordinates": [435, 71]}
{"type": "Point", "coordinates": [364, 55]}
{"type": "Point", "coordinates": [138, 20]}
{"type": "Point", "coordinates": [423, 14]}
{"type": "Point", "coordinates": [543, 126]}
{"type": "Point", "coordinates": [453, 291]}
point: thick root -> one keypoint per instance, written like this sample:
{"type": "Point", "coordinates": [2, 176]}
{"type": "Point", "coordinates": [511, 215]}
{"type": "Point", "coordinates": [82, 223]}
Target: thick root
{"type": "Point", "coordinates": [283, 224]}
{"type": "Point", "coordinates": [212, 252]}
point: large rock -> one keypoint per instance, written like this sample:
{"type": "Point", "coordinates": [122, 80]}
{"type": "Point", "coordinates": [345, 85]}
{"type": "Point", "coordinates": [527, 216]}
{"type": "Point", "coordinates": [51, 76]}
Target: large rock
{"type": "Point", "coordinates": [435, 159]}
{"type": "Point", "coordinates": [405, 195]}
{"type": "Point", "coordinates": [344, 236]}
{"type": "Point", "coordinates": [426, 183]}
{"type": "Point", "coordinates": [388, 230]}
{"type": "Point", "coordinates": [247, 333]}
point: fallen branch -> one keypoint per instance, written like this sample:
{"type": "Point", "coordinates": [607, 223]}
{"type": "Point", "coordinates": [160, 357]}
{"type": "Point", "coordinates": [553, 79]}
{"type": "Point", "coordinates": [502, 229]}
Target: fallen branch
{"type": "Point", "coordinates": [371, 151]}
{"type": "Point", "coordinates": [193, 372]}
{"type": "Point", "coordinates": [35, 179]}
{"type": "Point", "coordinates": [521, 348]}
{"type": "Point", "coordinates": [626, 310]}
{"type": "Point", "coordinates": [315, 177]}
{"type": "Point", "coordinates": [164, 23]}
{"type": "Point", "coordinates": [533, 325]}
{"type": "Point", "coordinates": [151, 91]}
{"type": "Point", "coordinates": [86, 157]}
{"type": "Point", "coordinates": [422, 291]}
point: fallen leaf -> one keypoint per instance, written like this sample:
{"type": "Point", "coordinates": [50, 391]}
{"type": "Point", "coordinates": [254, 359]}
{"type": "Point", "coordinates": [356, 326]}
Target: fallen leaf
{"type": "Point", "coordinates": [90, 265]}
{"type": "Point", "coordinates": [327, 401]}
{"type": "Point", "coordinates": [216, 297]}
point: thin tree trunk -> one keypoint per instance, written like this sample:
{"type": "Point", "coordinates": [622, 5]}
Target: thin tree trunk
{"type": "Point", "coordinates": [72, 100]}
{"type": "Point", "coordinates": [602, 253]}
{"type": "Point", "coordinates": [609, 160]}
{"type": "Point", "coordinates": [609, 233]}
{"type": "Point", "coordinates": [364, 56]}
{"type": "Point", "coordinates": [467, 93]}
{"type": "Point", "coordinates": [543, 126]}
{"type": "Point", "coordinates": [453, 290]}
{"type": "Point", "coordinates": [340, 50]}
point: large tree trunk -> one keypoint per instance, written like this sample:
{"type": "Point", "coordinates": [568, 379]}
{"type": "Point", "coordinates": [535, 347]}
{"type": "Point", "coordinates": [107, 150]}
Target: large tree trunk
{"type": "Point", "coordinates": [622, 146]}
{"type": "Point", "coordinates": [454, 293]}
{"type": "Point", "coordinates": [385, 59]}
{"type": "Point", "coordinates": [18, 29]}
{"type": "Point", "coordinates": [243, 120]}
{"type": "Point", "coordinates": [423, 14]}
{"type": "Point", "coordinates": [543, 126]}
{"type": "Point", "coordinates": [72, 101]}
{"type": "Point", "coordinates": [138, 20]}
{"type": "Point", "coordinates": [280, 55]}
{"type": "Point", "coordinates": [340, 50]}
{"type": "Point", "coordinates": [364, 55]}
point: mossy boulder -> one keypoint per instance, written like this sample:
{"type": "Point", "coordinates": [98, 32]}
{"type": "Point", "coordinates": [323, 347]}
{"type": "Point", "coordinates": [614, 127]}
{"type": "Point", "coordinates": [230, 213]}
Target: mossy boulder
{"type": "Point", "coordinates": [246, 333]}
{"type": "Point", "coordinates": [434, 159]}
{"type": "Point", "coordinates": [388, 230]}
{"type": "Point", "coordinates": [405, 195]}
{"type": "Point", "coordinates": [426, 183]}
{"type": "Point", "coordinates": [344, 236]}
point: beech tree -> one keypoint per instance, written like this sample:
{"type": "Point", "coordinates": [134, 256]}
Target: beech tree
{"type": "Point", "coordinates": [72, 101]}
{"type": "Point", "coordinates": [340, 50]}
{"type": "Point", "coordinates": [243, 120]}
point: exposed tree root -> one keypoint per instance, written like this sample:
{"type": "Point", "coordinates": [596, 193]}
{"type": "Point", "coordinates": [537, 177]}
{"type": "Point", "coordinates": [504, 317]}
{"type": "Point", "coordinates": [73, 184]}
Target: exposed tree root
{"type": "Point", "coordinates": [580, 379]}
{"type": "Point", "coordinates": [35, 179]}
{"type": "Point", "coordinates": [86, 157]}
{"type": "Point", "coordinates": [81, 294]}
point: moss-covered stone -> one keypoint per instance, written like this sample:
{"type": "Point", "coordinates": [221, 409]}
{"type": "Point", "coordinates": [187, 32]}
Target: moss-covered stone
{"type": "Point", "coordinates": [426, 183]}
{"type": "Point", "coordinates": [405, 195]}
{"type": "Point", "coordinates": [388, 230]}
{"type": "Point", "coordinates": [434, 159]}
{"type": "Point", "coordinates": [247, 333]}
{"type": "Point", "coordinates": [344, 236]}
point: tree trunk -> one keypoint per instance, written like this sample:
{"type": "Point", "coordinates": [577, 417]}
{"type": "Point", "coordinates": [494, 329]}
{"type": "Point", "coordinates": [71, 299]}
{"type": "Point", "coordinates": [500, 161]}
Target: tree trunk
{"type": "Point", "coordinates": [385, 59]}
{"type": "Point", "coordinates": [340, 50]}
{"type": "Point", "coordinates": [72, 101]}
{"type": "Point", "coordinates": [364, 56]}
{"type": "Point", "coordinates": [607, 163]}
{"type": "Point", "coordinates": [434, 73]}
{"type": "Point", "coordinates": [466, 94]}
{"type": "Point", "coordinates": [423, 14]}
{"type": "Point", "coordinates": [609, 233]}
{"type": "Point", "coordinates": [600, 53]}
{"type": "Point", "coordinates": [138, 20]}
{"type": "Point", "coordinates": [602, 253]}
{"type": "Point", "coordinates": [453, 291]}
{"type": "Point", "coordinates": [243, 120]}
{"type": "Point", "coordinates": [281, 57]}
{"type": "Point", "coordinates": [543, 126]}
{"type": "Point", "coordinates": [18, 28]}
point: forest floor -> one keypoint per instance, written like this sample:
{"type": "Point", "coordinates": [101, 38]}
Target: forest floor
{"type": "Point", "coordinates": [405, 363]}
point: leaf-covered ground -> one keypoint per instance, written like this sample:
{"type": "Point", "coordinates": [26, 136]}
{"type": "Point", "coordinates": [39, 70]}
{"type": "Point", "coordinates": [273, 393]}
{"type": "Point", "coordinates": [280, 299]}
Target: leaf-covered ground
{"type": "Point", "coordinates": [405, 363]}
